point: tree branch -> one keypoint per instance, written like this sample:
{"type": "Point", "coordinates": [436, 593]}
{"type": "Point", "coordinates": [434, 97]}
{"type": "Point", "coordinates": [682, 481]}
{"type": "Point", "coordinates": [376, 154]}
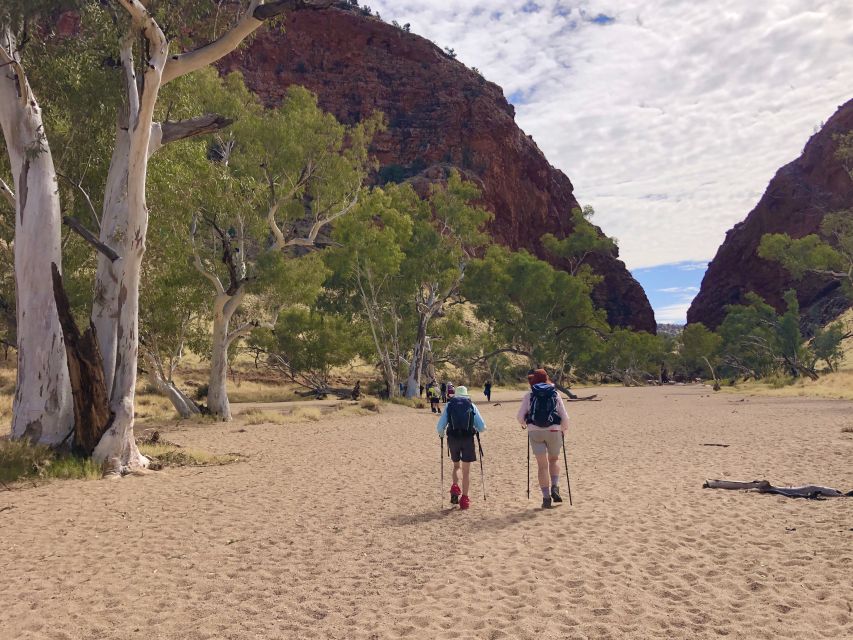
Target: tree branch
{"type": "Point", "coordinates": [79, 187]}
{"type": "Point", "coordinates": [183, 129]}
{"type": "Point", "coordinates": [75, 225]}
{"type": "Point", "coordinates": [8, 194]}
{"type": "Point", "coordinates": [182, 64]}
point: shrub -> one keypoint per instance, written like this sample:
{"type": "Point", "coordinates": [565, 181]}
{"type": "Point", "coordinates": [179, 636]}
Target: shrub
{"type": "Point", "coordinates": [371, 404]}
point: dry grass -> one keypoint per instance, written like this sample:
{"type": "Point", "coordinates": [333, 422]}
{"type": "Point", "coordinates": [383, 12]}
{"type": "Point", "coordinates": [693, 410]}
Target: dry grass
{"type": "Point", "coordinates": [369, 403]}
{"type": "Point", "coordinates": [837, 385]}
{"type": "Point", "coordinates": [413, 403]}
{"type": "Point", "coordinates": [165, 454]}
{"type": "Point", "coordinates": [268, 416]}
{"type": "Point", "coordinates": [20, 460]}
{"type": "Point", "coordinates": [249, 391]}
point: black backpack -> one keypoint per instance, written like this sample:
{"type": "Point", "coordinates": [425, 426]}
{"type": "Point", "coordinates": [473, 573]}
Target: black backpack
{"type": "Point", "coordinates": [460, 418]}
{"type": "Point", "coordinates": [543, 407]}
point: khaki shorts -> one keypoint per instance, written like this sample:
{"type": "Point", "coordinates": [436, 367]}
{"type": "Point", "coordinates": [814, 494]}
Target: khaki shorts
{"type": "Point", "coordinates": [542, 440]}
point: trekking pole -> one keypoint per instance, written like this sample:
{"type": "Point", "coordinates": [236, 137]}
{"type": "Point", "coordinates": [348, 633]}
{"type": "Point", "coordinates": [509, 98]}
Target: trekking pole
{"type": "Point", "coordinates": [526, 437]}
{"type": "Point", "coordinates": [482, 473]}
{"type": "Point", "coordinates": [441, 452]}
{"type": "Point", "coordinates": [566, 460]}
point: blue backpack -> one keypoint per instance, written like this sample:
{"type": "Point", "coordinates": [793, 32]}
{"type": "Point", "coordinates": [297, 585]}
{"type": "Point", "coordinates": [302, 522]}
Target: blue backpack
{"type": "Point", "coordinates": [460, 418]}
{"type": "Point", "coordinates": [543, 406]}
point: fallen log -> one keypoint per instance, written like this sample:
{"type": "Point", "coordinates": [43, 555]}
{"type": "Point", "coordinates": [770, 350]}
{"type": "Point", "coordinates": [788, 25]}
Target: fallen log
{"type": "Point", "coordinates": [811, 491]}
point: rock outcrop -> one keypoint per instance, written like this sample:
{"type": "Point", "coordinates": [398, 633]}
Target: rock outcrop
{"type": "Point", "coordinates": [796, 201]}
{"type": "Point", "coordinates": [440, 115]}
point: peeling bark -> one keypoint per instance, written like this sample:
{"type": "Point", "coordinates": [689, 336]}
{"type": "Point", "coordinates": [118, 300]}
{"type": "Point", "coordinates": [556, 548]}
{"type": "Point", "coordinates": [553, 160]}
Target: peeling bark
{"type": "Point", "coordinates": [42, 406]}
{"type": "Point", "coordinates": [86, 371]}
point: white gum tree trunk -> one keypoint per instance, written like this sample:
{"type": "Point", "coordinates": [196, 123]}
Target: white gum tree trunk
{"type": "Point", "coordinates": [117, 447]}
{"type": "Point", "coordinates": [42, 410]}
{"type": "Point", "coordinates": [114, 216]}
{"type": "Point", "coordinates": [217, 394]}
{"type": "Point", "coordinates": [185, 407]}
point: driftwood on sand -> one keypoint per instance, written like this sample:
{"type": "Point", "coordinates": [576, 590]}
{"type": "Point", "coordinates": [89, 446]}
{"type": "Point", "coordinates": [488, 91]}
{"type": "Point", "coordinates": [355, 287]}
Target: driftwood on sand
{"type": "Point", "coordinates": [812, 491]}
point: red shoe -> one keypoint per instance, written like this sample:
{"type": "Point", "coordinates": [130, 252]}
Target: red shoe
{"type": "Point", "coordinates": [455, 492]}
{"type": "Point", "coordinates": [464, 502]}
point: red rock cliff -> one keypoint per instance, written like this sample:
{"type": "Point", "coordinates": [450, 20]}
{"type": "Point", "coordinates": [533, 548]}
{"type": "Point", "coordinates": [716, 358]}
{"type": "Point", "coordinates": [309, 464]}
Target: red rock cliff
{"type": "Point", "coordinates": [440, 114]}
{"type": "Point", "coordinates": [796, 201]}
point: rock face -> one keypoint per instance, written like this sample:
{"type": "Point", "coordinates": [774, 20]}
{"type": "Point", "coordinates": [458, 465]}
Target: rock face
{"type": "Point", "coordinates": [440, 115]}
{"type": "Point", "coordinates": [796, 201]}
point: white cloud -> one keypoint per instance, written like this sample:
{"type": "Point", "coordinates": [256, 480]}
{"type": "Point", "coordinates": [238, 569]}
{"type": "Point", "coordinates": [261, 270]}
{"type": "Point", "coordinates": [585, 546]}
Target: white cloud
{"type": "Point", "coordinates": [670, 120]}
{"type": "Point", "coordinates": [673, 314]}
{"type": "Point", "coordinates": [685, 290]}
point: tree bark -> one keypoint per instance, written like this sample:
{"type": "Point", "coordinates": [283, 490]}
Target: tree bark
{"type": "Point", "coordinates": [184, 405]}
{"type": "Point", "coordinates": [42, 408]}
{"type": "Point", "coordinates": [217, 394]}
{"type": "Point", "coordinates": [763, 486]}
{"type": "Point", "coordinates": [418, 354]}
{"type": "Point", "coordinates": [92, 415]}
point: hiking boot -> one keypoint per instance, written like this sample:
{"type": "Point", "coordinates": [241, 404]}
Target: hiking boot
{"type": "Point", "coordinates": [546, 503]}
{"type": "Point", "coordinates": [464, 502]}
{"type": "Point", "coordinates": [555, 494]}
{"type": "Point", "coordinates": [455, 492]}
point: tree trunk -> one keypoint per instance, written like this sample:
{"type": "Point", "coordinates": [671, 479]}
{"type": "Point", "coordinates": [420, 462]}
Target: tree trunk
{"type": "Point", "coordinates": [114, 213]}
{"type": "Point", "coordinates": [42, 408]}
{"type": "Point", "coordinates": [418, 354]}
{"type": "Point", "coordinates": [217, 394]}
{"type": "Point", "coordinates": [86, 371]}
{"type": "Point", "coordinates": [118, 448]}
{"type": "Point", "coordinates": [184, 405]}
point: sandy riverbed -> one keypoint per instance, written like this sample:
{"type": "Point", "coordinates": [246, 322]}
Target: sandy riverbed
{"type": "Point", "coordinates": [337, 529]}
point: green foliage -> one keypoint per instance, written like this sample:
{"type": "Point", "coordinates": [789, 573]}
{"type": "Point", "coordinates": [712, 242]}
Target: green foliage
{"type": "Point", "coordinates": [826, 345]}
{"type": "Point", "coordinates": [631, 357]}
{"type": "Point", "coordinates": [307, 344]}
{"type": "Point", "coordinates": [757, 342]}
{"type": "Point", "coordinates": [584, 240]}
{"type": "Point", "coordinates": [699, 348]}
{"type": "Point", "coordinates": [533, 309]}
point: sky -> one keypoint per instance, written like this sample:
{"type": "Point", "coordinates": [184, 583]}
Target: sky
{"type": "Point", "coordinates": [669, 116]}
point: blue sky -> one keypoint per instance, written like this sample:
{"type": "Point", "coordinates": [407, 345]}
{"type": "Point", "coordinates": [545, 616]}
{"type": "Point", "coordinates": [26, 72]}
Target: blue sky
{"type": "Point", "coordinates": [671, 288]}
{"type": "Point", "coordinates": [669, 116]}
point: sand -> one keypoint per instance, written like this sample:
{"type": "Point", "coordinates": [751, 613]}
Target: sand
{"type": "Point", "coordinates": [337, 530]}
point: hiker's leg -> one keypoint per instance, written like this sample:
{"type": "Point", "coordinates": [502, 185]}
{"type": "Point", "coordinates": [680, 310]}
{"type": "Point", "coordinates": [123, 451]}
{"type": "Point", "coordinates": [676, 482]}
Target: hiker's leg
{"type": "Point", "coordinates": [456, 473]}
{"type": "Point", "coordinates": [544, 475]}
{"type": "Point", "coordinates": [554, 469]}
{"type": "Point", "coordinates": [466, 477]}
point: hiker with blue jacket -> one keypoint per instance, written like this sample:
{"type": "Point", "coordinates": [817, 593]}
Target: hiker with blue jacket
{"type": "Point", "coordinates": [461, 422]}
{"type": "Point", "coordinates": [544, 415]}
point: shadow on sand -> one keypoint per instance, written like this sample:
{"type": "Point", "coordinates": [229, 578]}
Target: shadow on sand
{"type": "Point", "coordinates": [489, 523]}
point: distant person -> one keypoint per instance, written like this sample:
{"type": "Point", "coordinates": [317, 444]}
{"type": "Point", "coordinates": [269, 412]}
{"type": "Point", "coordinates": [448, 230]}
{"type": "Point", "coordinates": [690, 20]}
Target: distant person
{"type": "Point", "coordinates": [443, 392]}
{"type": "Point", "coordinates": [421, 391]}
{"type": "Point", "coordinates": [356, 390]}
{"type": "Point", "coordinates": [434, 396]}
{"type": "Point", "coordinates": [487, 390]}
{"type": "Point", "coordinates": [451, 391]}
{"type": "Point", "coordinates": [461, 421]}
{"type": "Point", "coordinates": [544, 415]}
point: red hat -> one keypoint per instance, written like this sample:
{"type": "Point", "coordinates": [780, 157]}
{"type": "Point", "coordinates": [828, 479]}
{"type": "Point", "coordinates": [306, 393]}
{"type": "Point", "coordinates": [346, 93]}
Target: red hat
{"type": "Point", "coordinates": [538, 376]}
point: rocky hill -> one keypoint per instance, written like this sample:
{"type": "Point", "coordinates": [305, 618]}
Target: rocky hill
{"type": "Point", "coordinates": [796, 201]}
{"type": "Point", "coordinates": [440, 115]}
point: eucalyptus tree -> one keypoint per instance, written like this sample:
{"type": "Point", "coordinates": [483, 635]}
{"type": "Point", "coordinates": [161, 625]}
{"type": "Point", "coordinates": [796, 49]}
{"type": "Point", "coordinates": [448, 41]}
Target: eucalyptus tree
{"type": "Point", "coordinates": [584, 241]}
{"type": "Point", "coordinates": [278, 183]}
{"type": "Point", "coordinates": [306, 344]}
{"type": "Point", "coordinates": [43, 405]}
{"type": "Point", "coordinates": [366, 273]}
{"type": "Point", "coordinates": [534, 310]}
{"type": "Point", "coordinates": [758, 342]}
{"type": "Point", "coordinates": [448, 229]}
